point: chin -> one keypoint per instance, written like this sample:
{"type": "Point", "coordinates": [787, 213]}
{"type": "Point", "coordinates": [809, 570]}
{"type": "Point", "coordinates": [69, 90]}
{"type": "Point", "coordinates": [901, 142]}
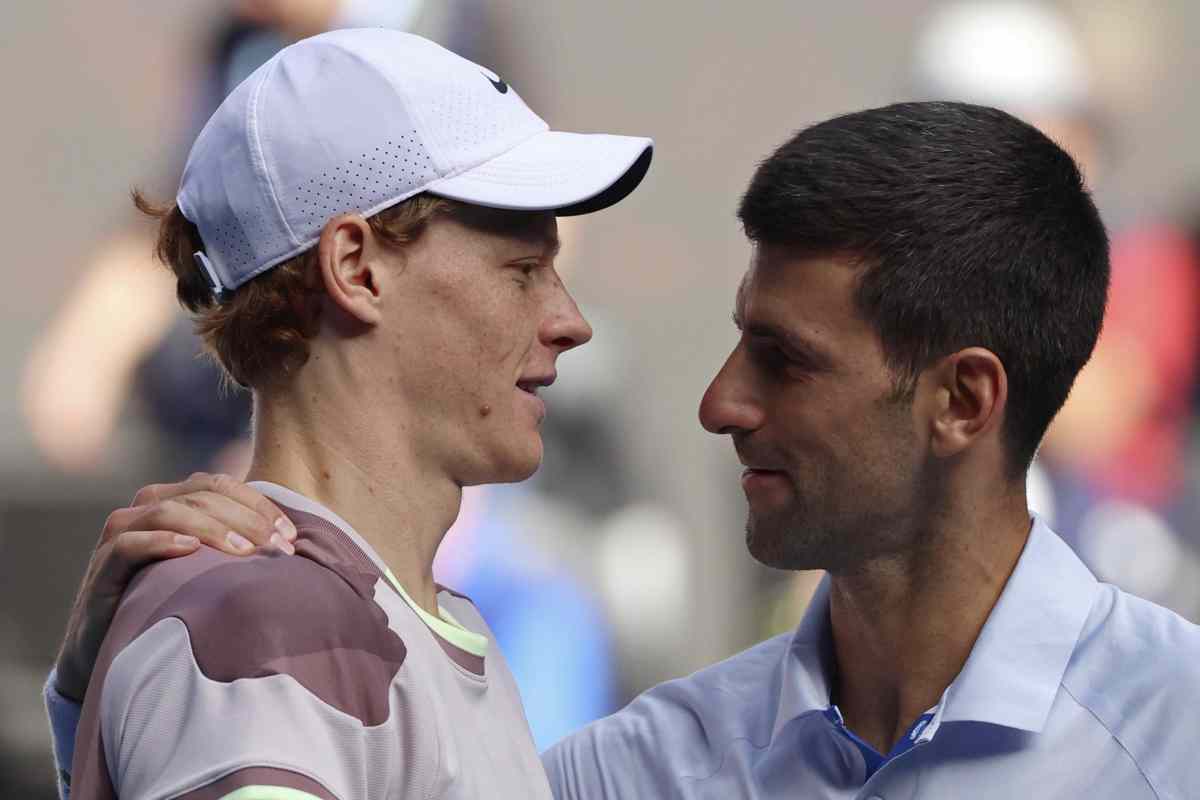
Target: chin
{"type": "Point", "coordinates": [764, 548]}
{"type": "Point", "coordinates": [779, 542]}
{"type": "Point", "coordinates": [519, 464]}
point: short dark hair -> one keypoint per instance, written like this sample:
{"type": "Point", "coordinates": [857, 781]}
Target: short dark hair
{"type": "Point", "coordinates": [971, 227]}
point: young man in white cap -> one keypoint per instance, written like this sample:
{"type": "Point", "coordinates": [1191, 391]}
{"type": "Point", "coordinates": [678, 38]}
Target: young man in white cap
{"type": "Point", "coordinates": [365, 230]}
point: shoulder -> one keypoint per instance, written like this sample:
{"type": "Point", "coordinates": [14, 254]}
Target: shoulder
{"type": "Point", "coordinates": [675, 728]}
{"type": "Point", "coordinates": [265, 661]}
{"type": "Point", "coordinates": [1135, 667]}
{"type": "Point", "coordinates": [1128, 642]}
{"type": "Point", "coordinates": [266, 615]}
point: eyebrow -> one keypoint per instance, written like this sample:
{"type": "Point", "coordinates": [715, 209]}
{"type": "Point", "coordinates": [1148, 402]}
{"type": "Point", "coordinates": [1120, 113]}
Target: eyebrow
{"type": "Point", "coordinates": [791, 341]}
{"type": "Point", "coordinates": [550, 242]}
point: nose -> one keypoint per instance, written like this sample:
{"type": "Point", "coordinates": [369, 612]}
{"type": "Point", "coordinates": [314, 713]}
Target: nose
{"type": "Point", "coordinates": [564, 327]}
{"type": "Point", "coordinates": [729, 404]}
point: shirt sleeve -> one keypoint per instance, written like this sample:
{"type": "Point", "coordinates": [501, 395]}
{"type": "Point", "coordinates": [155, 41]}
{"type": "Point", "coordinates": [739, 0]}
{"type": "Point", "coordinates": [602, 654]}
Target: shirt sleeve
{"type": "Point", "coordinates": [64, 720]}
{"type": "Point", "coordinates": [170, 730]}
{"type": "Point", "coordinates": [599, 762]}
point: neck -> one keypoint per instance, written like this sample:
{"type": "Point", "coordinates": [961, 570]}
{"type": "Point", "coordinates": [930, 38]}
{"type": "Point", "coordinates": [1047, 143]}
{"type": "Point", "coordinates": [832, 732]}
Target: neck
{"type": "Point", "coordinates": [365, 471]}
{"type": "Point", "coordinates": [904, 626]}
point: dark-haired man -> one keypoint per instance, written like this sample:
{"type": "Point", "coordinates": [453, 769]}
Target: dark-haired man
{"type": "Point", "coordinates": [927, 279]}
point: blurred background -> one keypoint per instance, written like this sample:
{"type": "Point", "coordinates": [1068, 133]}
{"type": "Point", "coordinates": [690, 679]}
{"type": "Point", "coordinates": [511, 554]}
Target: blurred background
{"type": "Point", "coordinates": [624, 556]}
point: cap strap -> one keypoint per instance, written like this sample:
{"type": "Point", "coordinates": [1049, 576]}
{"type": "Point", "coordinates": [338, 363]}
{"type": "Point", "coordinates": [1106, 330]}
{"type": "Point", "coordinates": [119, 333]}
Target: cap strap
{"type": "Point", "coordinates": [213, 281]}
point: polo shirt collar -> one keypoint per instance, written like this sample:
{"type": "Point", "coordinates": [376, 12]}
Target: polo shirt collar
{"type": "Point", "coordinates": [1016, 665]}
{"type": "Point", "coordinates": [807, 665]}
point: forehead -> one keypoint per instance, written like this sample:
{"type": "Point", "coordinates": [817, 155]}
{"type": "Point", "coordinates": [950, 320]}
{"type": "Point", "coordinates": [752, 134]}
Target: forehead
{"type": "Point", "coordinates": [520, 227]}
{"type": "Point", "coordinates": [808, 296]}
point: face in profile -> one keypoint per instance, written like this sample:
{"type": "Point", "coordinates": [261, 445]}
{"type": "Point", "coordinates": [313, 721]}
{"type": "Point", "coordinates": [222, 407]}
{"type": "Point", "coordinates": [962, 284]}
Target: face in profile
{"type": "Point", "coordinates": [832, 454]}
{"type": "Point", "coordinates": [474, 333]}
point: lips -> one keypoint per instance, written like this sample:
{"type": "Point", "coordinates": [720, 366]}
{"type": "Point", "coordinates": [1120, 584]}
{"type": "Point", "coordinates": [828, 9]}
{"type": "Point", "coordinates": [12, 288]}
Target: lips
{"type": "Point", "coordinates": [531, 383]}
{"type": "Point", "coordinates": [764, 482]}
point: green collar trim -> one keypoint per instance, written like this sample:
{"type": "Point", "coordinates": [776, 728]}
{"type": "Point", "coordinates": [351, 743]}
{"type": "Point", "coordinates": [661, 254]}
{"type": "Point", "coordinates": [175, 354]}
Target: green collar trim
{"type": "Point", "coordinates": [445, 625]}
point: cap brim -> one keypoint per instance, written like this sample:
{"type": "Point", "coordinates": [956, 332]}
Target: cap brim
{"type": "Point", "coordinates": [569, 173]}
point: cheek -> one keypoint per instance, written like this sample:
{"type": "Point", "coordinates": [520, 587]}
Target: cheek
{"type": "Point", "coordinates": [835, 433]}
{"type": "Point", "coordinates": [476, 332]}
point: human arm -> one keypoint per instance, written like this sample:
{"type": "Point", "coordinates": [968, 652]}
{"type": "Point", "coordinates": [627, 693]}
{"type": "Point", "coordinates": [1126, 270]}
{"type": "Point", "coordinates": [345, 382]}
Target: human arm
{"type": "Point", "coordinates": [269, 670]}
{"type": "Point", "coordinates": [203, 510]}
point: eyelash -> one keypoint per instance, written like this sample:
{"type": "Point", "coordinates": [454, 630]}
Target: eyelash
{"type": "Point", "coordinates": [527, 271]}
{"type": "Point", "coordinates": [775, 360]}
{"type": "Point", "coordinates": [771, 355]}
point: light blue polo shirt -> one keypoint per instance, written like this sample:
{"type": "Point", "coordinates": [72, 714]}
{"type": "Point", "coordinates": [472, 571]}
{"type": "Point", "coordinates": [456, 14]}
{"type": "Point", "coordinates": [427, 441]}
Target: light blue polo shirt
{"type": "Point", "coordinates": [1074, 689]}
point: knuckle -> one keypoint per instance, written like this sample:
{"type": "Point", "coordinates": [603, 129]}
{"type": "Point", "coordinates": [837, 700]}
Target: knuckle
{"type": "Point", "coordinates": [197, 476]}
{"type": "Point", "coordinates": [168, 508]}
{"type": "Point", "coordinates": [191, 501]}
{"type": "Point", "coordinates": [222, 483]}
{"type": "Point", "coordinates": [123, 545]}
{"type": "Point", "coordinates": [114, 524]}
{"type": "Point", "coordinates": [259, 525]}
{"type": "Point", "coordinates": [146, 495]}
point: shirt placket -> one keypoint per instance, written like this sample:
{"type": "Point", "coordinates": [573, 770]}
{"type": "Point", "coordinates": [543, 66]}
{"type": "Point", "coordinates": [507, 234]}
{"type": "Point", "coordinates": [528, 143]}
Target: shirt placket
{"type": "Point", "coordinates": [881, 784]}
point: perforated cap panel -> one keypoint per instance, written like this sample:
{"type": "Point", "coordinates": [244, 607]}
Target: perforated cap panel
{"type": "Point", "coordinates": [355, 121]}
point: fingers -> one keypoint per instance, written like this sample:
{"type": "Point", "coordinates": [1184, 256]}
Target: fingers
{"type": "Point", "coordinates": [214, 519]}
{"type": "Point", "coordinates": [241, 508]}
{"type": "Point", "coordinates": [111, 568]}
{"type": "Point", "coordinates": [132, 550]}
{"type": "Point", "coordinates": [118, 522]}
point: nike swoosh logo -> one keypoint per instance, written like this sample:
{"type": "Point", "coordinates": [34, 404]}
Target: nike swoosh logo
{"type": "Point", "coordinates": [499, 85]}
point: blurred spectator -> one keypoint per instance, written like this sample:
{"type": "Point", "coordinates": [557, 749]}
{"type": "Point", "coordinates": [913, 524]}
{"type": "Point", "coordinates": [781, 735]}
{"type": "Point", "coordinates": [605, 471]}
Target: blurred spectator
{"type": "Point", "coordinates": [1113, 472]}
{"type": "Point", "coordinates": [120, 333]}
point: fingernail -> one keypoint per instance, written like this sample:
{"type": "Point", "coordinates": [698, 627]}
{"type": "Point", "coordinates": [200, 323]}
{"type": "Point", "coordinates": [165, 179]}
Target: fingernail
{"type": "Point", "coordinates": [239, 542]}
{"type": "Point", "coordinates": [285, 526]}
{"type": "Point", "coordinates": [186, 541]}
{"type": "Point", "coordinates": [283, 544]}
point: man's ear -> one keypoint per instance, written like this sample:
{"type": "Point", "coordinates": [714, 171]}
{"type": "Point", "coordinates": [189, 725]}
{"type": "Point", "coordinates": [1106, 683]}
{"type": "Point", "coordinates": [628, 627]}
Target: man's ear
{"type": "Point", "coordinates": [346, 268]}
{"type": "Point", "coordinates": [971, 390]}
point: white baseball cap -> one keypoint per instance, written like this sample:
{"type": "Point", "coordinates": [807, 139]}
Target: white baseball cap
{"type": "Point", "coordinates": [359, 120]}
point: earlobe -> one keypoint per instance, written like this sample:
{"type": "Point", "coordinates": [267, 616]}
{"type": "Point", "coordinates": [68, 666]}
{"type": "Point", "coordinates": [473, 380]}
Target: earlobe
{"type": "Point", "coordinates": [347, 269]}
{"type": "Point", "coordinates": [973, 390]}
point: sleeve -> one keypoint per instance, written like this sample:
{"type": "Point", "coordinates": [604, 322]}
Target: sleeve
{"type": "Point", "coordinates": [64, 720]}
{"type": "Point", "coordinates": [169, 730]}
{"type": "Point", "coordinates": [596, 763]}
{"type": "Point", "coordinates": [265, 680]}
{"type": "Point", "coordinates": [640, 751]}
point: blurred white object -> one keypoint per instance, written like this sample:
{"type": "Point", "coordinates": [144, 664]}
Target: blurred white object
{"type": "Point", "coordinates": [1039, 493]}
{"type": "Point", "coordinates": [1133, 547]}
{"type": "Point", "coordinates": [398, 14]}
{"type": "Point", "coordinates": [1010, 54]}
{"type": "Point", "coordinates": [643, 568]}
